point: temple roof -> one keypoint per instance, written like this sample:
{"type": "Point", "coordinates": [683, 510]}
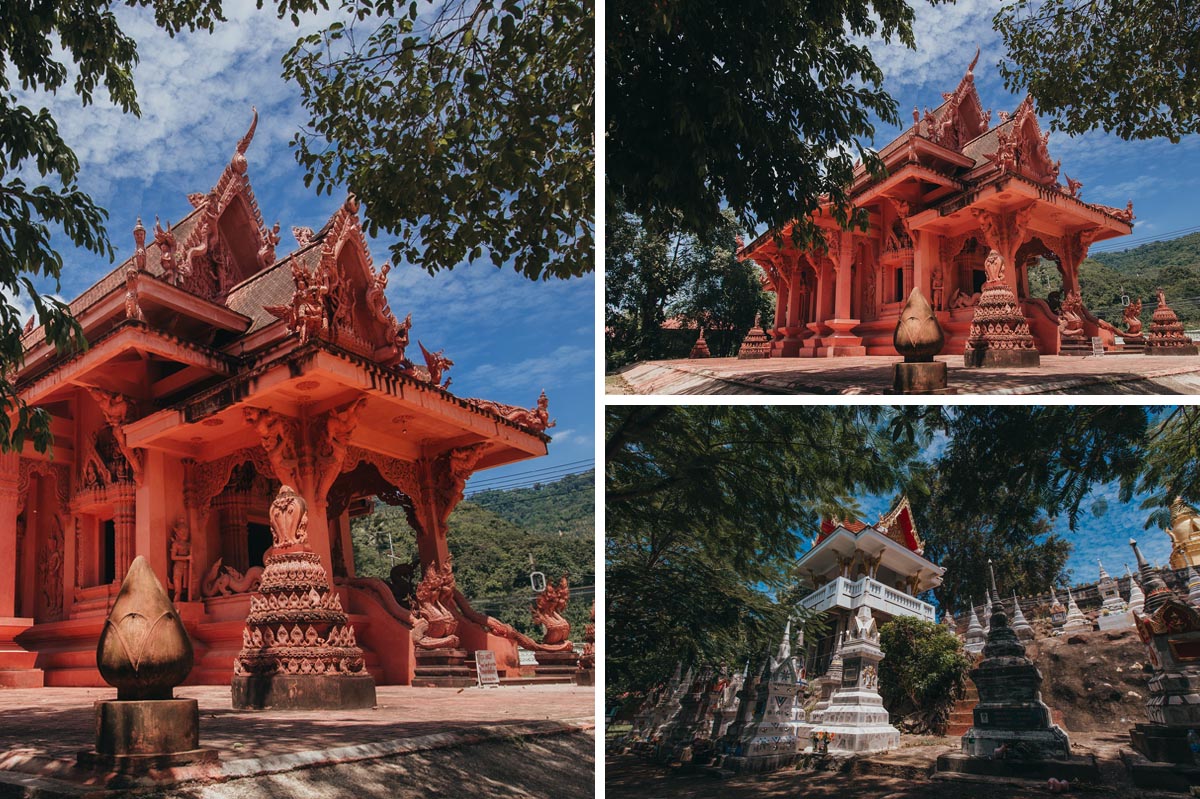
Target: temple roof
{"type": "Point", "coordinates": [896, 524]}
{"type": "Point", "coordinates": [204, 304]}
{"type": "Point", "coordinates": [953, 158]}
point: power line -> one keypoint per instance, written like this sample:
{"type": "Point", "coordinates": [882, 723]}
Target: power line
{"type": "Point", "coordinates": [1115, 245]}
{"type": "Point", "coordinates": [585, 462]}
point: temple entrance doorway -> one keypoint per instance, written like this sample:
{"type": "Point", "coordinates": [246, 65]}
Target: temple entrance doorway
{"type": "Point", "coordinates": [258, 541]}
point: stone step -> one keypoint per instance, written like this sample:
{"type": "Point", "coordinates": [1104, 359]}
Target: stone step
{"type": "Point", "coordinates": [21, 678]}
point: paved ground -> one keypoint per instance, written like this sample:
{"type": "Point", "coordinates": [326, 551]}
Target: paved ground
{"type": "Point", "coordinates": [41, 730]}
{"type": "Point", "coordinates": [1112, 374]}
{"type": "Point", "coordinates": [900, 774]}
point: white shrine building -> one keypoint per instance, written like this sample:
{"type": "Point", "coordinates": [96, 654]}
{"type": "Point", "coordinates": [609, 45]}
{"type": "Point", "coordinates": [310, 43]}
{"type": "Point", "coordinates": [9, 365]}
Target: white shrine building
{"type": "Point", "coordinates": [881, 566]}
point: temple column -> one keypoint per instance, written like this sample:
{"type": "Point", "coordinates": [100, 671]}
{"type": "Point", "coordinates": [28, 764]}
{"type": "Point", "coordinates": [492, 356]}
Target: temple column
{"type": "Point", "coordinates": [307, 454]}
{"type": "Point", "coordinates": [234, 510]}
{"type": "Point", "coordinates": [9, 509]}
{"type": "Point", "coordinates": [125, 524]}
{"type": "Point", "coordinates": [842, 341]}
{"type": "Point", "coordinates": [791, 343]}
{"type": "Point", "coordinates": [156, 510]}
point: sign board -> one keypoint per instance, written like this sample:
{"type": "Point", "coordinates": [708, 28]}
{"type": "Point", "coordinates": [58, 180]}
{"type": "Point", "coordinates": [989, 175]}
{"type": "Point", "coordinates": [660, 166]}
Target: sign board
{"type": "Point", "coordinates": [485, 668]}
{"type": "Point", "coordinates": [1097, 346]}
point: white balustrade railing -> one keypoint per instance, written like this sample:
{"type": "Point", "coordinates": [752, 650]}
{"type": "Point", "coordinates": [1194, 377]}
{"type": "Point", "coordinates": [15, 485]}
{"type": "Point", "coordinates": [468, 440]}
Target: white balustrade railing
{"type": "Point", "coordinates": [842, 593]}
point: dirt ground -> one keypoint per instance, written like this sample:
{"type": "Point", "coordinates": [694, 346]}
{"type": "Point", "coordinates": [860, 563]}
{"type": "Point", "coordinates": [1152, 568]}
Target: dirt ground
{"type": "Point", "coordinates": [1095, 680]}
{"type": "Point", "coordinates": [900, 774]}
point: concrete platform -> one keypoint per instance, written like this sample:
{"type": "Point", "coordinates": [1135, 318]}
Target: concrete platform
{"type": "Point", "coordinates": [43, 728]}
{"type": "Point", "coordinates": [1057, 374]}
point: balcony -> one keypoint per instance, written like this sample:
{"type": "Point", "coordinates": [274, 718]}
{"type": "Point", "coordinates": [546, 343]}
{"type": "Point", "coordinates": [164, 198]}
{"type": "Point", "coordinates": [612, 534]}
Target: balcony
{"type": "Point", "coordinates": [842, 593]}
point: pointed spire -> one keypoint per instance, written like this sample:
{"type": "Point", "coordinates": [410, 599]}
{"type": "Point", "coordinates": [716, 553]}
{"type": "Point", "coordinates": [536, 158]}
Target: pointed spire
{"type": "Point", "coordinates": [1020, 624]}
{"type": "Point", "coordinates": [835, 664]}
{"type": "Point", "coordinates": [995, 596]}
{"type": "Point", "coordinates": [1103, 574]}
{"type": "Point", "coordinates": [1157, 591]}
{"type": "Point", "coordinates": [1193, 588]}
{"type": "Point", "coordinates": [1137, 600]}
{"type": "Point", "coordinates": [785, 646]}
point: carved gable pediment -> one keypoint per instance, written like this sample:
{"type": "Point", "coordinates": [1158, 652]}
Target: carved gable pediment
{"type": "Point", "coordinates": [961, 118]}
{"type": "Point", "coordinates": [229, 241]}
{"type": "Point", "coordinates": [1021, 147]}
{"type": "Point", "coordinates": [343, 298]}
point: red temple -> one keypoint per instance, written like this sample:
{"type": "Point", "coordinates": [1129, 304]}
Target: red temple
{"type": "Point", "coordinates": [216, 374]}
{"type": "Point", "coordinates": [956, 189]}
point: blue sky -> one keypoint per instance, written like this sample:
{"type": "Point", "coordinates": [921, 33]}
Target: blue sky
{"type": "Point", "coordinates": [1104, 537]}
{"type": "Point", "coordinates": [1155, 174]}
{"type": "Point", "coordinates": [509, 337]}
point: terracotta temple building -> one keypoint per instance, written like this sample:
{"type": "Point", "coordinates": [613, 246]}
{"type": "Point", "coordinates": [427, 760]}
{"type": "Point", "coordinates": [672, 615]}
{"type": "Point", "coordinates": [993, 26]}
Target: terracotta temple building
{"type": "Point", "coordinates": [880, 566]}
{"type": "Point", "coordinates": [957, 188]}
{"type": "Point", "coordinates": [218, 373]}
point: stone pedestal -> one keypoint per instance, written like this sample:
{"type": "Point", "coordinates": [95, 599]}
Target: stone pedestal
{"type": "Point", "coordinates": [442, 668]}
{"type": "Point", "coordinates": [299, 651]}
{"type": "Point", "coordinates": [999, 335]}
{"type": "Point", "coordinates": [856, 719]}
{"type": "Point", "coordinates": [841, 341]}
{"type": "Point", "coordinates": [303, 691]}
{"type": "Point", "coordinates": [135, 737]}
{"type": "Point", "coordinates": [920, 378]}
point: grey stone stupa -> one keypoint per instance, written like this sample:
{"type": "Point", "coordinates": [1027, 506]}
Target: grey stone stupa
{"type": "Point", "coordinates": [1012, 734]}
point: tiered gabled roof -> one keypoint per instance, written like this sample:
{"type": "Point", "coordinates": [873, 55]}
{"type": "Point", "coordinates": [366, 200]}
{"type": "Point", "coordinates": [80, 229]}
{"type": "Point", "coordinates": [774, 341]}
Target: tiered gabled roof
{"type": "Point", "coordinates": [896, 524]}
{"type": "Point", "coordinates": [212, 291]}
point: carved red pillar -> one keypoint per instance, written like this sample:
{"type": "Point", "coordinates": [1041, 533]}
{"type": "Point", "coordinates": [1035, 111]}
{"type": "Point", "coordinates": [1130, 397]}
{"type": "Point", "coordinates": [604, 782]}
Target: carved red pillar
{"type": "Point", "coordinates": [125, 524]}
{"type": "Point", "coordinates": [793, 328]}
{"type": "Point", "coordinates": [842, 341]}
{"type": "Point", "coordinates": [233, 507]}
{"type": "Point", "coordinates": [9, 508]}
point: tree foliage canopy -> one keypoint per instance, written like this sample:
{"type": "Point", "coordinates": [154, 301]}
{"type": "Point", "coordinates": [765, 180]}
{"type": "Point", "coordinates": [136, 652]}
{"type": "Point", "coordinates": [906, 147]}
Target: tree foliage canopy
{"type": "Point", "coordinates": [1125, 67]}
{"type": "Point", "coordinates": [923, 672]}
{"type": "Point", "coordinates": [651, 276]}
{"type": "Point", "coordinates": [760, 105]}
{"type": "Point", "coordinates": [708, 508]}
{"type": "Point", "coordinates": [466, 126]}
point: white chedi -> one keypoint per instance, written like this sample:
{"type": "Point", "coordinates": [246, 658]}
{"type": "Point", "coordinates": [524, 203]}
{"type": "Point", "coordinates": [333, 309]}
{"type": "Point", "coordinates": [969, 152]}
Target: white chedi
{"type": "Point", "coordinates": [975, 638]}
{"type": "Point", "coordinates": [1076, 621]}
{"type": "Point", "coordinates": [1114, 613]}
{"type": "Point", "coordinates": [1137, 599]}
{"type": "Point", "coordinates": [856, 721]}
{"type": "Point", "coordinates": [778, 730]}
{"type": "Point", "coordinates": [1020, 625]}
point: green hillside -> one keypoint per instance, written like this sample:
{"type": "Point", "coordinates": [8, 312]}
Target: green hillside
{"type": "Point", "coordinates": [562, 506]}
{"type": "Point", "coordinates": [492, 536]}
{"type": "Point", "coordinates": [1137, 272]}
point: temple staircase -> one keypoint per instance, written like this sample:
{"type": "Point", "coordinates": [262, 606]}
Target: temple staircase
{"type": "Point", "coordinates": [962, 716]}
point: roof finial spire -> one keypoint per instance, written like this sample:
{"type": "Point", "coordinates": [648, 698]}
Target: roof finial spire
{"type": "Point", "coordinates": [244, 144]}
{"type": "Point", "coordinates": [974, 61]}
{"type": "Point", "coordinates": [995, 597]}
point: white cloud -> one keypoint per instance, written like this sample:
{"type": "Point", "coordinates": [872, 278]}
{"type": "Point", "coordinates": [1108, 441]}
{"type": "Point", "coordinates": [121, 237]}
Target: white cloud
{"type": "Point", "coordinates": [551, 369]}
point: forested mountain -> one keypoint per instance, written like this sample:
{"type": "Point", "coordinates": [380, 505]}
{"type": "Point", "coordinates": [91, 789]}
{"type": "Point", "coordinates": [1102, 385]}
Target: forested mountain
{"type": "Point", "coordinates": [492, 536]}
{"type": "Point", "coordinates": [1137, 272]}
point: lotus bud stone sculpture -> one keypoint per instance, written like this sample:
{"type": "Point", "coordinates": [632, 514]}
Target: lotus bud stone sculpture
{"type": "Point", "coordinates": [918, 337]}
{"type": "Point", "coordinates": [144, 652]}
